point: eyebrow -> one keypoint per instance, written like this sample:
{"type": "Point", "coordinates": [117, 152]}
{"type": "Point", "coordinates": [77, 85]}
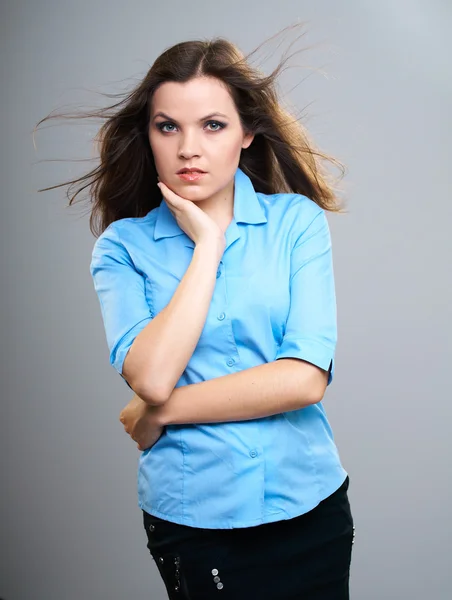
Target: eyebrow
{"type": "Point", "coordinates": [165, 116]}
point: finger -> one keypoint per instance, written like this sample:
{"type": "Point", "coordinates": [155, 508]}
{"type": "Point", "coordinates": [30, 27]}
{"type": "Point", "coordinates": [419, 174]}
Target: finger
{"type": "Point", "coordinates": [170, 196]}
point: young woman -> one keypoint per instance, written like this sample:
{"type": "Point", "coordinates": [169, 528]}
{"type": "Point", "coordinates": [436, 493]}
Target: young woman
{"type": "Point", "coordinates": [214, 274]}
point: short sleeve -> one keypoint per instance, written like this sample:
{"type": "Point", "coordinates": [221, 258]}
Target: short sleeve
{"type": "Point", "coordinates": [311, 330]}
{"type": "Point", "coordinates": [121, 292]}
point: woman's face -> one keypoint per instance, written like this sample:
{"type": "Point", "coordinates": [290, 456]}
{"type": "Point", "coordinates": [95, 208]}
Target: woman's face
{"type": "Point", "coordinates": [196, 125]}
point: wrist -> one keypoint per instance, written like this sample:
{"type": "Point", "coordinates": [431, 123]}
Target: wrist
{"type": "Point", "coordinates": [213, 247]}
{"type": "Point", "coordinates": [161, 415]}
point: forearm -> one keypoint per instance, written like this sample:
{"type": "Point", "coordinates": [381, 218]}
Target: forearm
{"type": "Point", "coordinates": [162, 350]}
{"type": "Point", "coordinates": [268, 389]}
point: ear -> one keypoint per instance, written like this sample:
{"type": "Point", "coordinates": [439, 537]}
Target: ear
{"type": "Point", "coordinates": [247, 140]}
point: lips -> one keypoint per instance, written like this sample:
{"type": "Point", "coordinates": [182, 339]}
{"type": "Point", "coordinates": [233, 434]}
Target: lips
{"type": "Point", "coordinates": [191, 176]}
{"type": "Point", "coordinates": [194, 170]}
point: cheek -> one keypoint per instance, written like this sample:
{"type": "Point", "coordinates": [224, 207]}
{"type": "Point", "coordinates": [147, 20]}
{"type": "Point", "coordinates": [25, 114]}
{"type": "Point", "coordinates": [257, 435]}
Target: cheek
{"type": "Point", "coordinates": [229, 150]}
{"type": "Point", "coordinates": [161, 153]}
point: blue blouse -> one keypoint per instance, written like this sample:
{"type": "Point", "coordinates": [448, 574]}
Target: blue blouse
{"type": "Point", "coordinates": [274, 298]}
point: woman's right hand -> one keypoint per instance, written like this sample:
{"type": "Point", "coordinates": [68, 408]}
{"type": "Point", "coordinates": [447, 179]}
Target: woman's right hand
{"type": "Point", "coordinates": [139, 424]}
{"type": "Point", "coordinates": [193, 220]}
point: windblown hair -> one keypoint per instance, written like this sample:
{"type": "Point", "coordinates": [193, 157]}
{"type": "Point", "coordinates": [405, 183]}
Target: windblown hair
{"type": "Point", "coordinates": [281, 158]}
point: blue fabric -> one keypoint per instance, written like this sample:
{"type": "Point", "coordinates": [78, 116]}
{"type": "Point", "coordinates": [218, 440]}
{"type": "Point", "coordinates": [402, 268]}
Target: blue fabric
{"type": "Point", "coordinates": [274, 298]}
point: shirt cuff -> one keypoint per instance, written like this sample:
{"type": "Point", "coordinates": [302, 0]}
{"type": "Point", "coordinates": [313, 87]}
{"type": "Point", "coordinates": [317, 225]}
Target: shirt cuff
{"type": "Point", "coordinates": [310, 351]}
{"type": "Point", "coordinates": [119, 354]}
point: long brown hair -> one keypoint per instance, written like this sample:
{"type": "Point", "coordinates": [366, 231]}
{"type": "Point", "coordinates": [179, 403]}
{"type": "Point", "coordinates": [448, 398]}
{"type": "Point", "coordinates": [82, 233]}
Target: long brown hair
{"type": "Point", "coordinates": [281, 158]}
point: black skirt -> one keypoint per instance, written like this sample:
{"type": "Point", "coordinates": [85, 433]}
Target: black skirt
{"type": "Point", "coordinates": [307, 557]}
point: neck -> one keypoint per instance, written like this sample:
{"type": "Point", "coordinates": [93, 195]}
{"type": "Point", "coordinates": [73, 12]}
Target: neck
{"type": "Point", "coordinates": [220, 207]}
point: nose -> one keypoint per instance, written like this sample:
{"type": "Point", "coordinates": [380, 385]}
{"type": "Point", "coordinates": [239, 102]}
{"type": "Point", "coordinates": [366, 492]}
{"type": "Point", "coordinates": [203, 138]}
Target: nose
{"type": "Point", "coordinates": [189, 146]}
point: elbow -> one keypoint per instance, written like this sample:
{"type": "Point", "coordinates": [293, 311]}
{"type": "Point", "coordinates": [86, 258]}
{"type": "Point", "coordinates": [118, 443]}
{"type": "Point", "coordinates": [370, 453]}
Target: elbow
{"type": "Point", "coordinates": [311, 378]}
{"type": "Point", "coordinates": [315, 382]}
{"type": "Point", "coordinates": [319, 385]}
{"type": "Point", "coordinates": [152, 395]}
{"type": "Point", "coordinates": [317, 395]}
{"type": "Point", "coordinates": [145, 386]}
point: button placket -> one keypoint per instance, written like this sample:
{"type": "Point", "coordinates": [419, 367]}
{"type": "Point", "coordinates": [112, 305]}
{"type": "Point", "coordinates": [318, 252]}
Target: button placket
{"type": "Point", "coordinates": [223, 315]}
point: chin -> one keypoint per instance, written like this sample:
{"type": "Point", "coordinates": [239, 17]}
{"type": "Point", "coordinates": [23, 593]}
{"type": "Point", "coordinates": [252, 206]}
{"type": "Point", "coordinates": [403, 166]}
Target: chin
{"type": "Point", "coordinates": [193, 192]}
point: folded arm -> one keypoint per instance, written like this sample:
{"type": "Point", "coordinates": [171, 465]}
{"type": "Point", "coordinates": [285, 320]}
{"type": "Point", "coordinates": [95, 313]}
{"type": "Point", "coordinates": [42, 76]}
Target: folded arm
{"type": "Point", "coordinates": [272, 388]}
{"type": "Point", "coordinates": [268, 389]}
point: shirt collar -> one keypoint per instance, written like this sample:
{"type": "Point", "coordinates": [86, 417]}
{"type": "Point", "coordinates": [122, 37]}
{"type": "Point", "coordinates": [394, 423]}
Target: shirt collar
{"type": "Point", "coordinates": [247, 209]}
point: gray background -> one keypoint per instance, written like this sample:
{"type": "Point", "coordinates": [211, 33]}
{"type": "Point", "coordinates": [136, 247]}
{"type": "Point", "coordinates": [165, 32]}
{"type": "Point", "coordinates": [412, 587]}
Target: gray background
{"type": "Point", "coordinates": [70, 525]}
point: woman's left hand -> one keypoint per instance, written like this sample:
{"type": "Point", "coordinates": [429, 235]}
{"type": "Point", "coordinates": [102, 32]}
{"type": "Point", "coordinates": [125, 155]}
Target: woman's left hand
{"type": "Point", "coordinates": [141, 422]}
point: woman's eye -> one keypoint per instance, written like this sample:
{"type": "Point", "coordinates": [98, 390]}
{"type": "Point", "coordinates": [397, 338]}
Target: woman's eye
{"type": "Point", "coordinates": [171, 127]}
{"type": "Point", "coordinates": [162, 127]}
{"type": "Point", "coordinates": [216, 125]}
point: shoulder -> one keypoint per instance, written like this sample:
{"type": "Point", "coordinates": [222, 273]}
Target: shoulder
{"type": "Point", "coordinates": [124, 242]}
{"type": "Point", "coordinates": [294, 212]}
{"type": "Point", "coordinates": [125, 232]}
{"type": "Point", "coordinates": [296, 204]}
